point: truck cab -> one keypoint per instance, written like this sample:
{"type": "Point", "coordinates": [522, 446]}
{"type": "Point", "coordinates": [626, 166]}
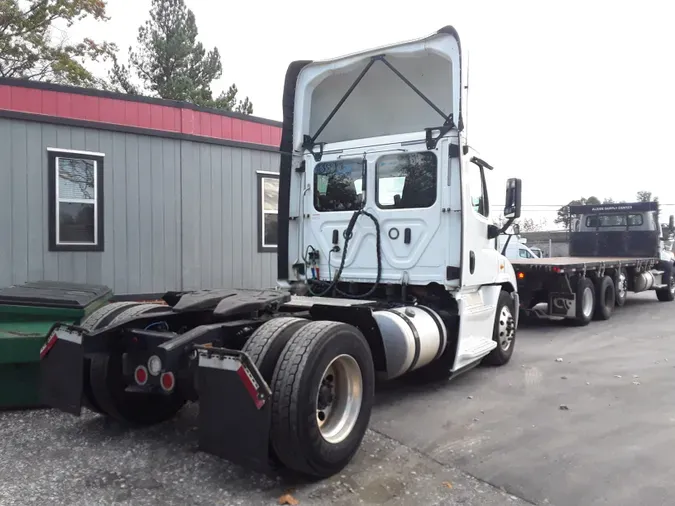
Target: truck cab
{"type": "Point", "coordinates": [385, 199]}
{"type": "Point", "coordinates": [617, 230]}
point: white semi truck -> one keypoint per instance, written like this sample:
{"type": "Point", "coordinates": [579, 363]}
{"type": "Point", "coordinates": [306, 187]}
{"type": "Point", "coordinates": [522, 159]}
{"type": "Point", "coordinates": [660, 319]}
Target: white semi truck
{"type": "Point", "coordinates": [386, 266]}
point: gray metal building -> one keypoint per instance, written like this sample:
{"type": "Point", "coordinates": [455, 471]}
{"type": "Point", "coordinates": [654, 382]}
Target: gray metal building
{"type": "Point", "coordinates": [142, 195]}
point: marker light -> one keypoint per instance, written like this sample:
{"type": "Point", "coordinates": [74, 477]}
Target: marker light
{"type": "Point", "coordinates": [155, 365]}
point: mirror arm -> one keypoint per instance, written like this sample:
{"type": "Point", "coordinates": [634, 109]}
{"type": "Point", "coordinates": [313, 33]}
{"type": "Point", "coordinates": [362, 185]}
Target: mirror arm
{"type": "Point", "coordinates": [494, 232]}
{"type": "Point", "coordinates": [506, 245]}
{"type": "Point", "coordinates": [507, 224]}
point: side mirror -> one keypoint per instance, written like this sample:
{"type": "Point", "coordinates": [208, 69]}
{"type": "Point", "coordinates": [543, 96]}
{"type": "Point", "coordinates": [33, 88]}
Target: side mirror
{"type": "Point", "coordinates": [512, 201]}
{"type": "Point", "coordinates": [511, 210]}
{"type": "Point", "coordinates": [671, 223]}
{"type": "Point", "coordinates": [516, 229]}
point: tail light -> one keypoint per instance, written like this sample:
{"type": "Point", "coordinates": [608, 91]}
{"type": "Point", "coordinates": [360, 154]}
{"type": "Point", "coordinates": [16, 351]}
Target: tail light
{"type": "Point", "coordinates": [168, 381]}
{"type": "Point", "coordinates": [141, 375]}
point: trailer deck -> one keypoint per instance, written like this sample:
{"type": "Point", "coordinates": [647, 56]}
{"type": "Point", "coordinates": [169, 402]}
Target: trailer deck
{"type": "Point", "coordinates": [573, 264]}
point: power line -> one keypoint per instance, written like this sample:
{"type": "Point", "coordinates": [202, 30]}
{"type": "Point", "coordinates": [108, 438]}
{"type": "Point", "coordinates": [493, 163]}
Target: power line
{"type": "Point", "coordinates": [557, 206]}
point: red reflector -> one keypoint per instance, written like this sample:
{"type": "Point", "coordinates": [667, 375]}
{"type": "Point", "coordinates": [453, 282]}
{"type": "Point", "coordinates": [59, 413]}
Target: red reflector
{"type": "Point", "coordinates": [48, 345]}
{"type": "Point", "coordinates": [168, 381]}
{"type": "Point", "coordinates": [141, 375]}
{"type": "Point", "coordinates": [555, 269]}
{"type": "Point", "coordinates": [250, 387]}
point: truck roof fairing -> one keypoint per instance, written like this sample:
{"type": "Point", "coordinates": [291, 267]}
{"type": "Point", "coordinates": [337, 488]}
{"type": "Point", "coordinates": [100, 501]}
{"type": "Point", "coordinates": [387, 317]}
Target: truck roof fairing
{"type": "Point", "coordinates": [385, 88]}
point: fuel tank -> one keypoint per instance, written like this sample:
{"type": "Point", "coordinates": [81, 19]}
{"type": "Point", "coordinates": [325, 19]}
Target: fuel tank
{"type": "Point", "coordinates": [413, 337]}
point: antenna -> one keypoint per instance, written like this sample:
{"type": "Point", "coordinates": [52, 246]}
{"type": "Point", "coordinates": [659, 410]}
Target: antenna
{"type": "Point", "coordinates": [466, 105]}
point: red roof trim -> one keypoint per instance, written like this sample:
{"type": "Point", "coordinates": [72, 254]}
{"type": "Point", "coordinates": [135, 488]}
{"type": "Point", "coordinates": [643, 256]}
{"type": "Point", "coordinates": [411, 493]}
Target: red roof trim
{"type": "Point", "coordinates": [122, 110]}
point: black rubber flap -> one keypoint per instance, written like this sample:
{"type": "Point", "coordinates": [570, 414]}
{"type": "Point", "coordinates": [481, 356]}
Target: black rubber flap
{"type": "Point", "coordinates": [53, 294]}
{"type": "Point", "coordinates": [61, 376]}
{"type": "Point", "coordinates": [230, 425]}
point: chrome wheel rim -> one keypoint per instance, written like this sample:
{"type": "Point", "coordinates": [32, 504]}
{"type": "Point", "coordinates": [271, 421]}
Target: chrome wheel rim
{"type": "Point", "coordinates": [338, 401]}
{"type": "Point", "coordinates": [587, 302]}
{"type": "Point", "coordinates": [672, 284]}
{"type": "Point", "coordinates": [621, 288]}
{"type": "Point", "coordinates": [506, 328]}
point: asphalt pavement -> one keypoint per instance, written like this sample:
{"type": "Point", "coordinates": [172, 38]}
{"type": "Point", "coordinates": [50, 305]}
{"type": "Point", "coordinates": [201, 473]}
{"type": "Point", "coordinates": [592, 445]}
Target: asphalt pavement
{"type": "Point", "coordinates": [580, 416]}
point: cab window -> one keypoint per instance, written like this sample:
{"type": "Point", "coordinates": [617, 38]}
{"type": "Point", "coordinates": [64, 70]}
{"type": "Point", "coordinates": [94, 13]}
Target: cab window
{"type": "Point", "coordinates": [614, 220]}
{"type": "Point", "coordinates": [406, 180]}
{"type": "Point", "coordinates": [477, 190]}
{"type": "Point", "coordinates": [338, 185]}
{"type": "Point", "coordinates": [525, 254]}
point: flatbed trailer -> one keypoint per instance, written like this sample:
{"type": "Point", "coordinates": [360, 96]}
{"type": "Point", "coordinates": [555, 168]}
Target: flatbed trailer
{"type": "Point", "coordinates": [581, 288]}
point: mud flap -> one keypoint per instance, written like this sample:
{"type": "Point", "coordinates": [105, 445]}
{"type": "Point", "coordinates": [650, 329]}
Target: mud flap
{"type": "Point", "coordinates": [234, 408]}
{"type": "Point", "coordinates": [61, 370]}
{"type": "Point", "coordinates": [563, 304]}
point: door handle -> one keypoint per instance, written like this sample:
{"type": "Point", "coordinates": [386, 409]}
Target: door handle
{"type": "Point", "coordinates": [407, 236]}
{"type": "Point", "coordinates": [472, 262]}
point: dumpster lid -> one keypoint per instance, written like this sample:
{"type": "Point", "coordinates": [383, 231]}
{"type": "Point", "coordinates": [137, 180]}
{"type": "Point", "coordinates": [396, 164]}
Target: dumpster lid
{"type": "Point", "coordinates": [53, 294]}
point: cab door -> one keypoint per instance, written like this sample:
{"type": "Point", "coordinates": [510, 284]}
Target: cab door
{"type": "Point", "coordinates": [477, 298]}
{"type": "Point", "coordinates": [479, 257]}
{"type": "Point", "coordinates": [407, 197]}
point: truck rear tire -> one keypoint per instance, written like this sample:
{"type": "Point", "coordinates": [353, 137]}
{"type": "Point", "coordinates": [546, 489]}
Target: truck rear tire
{"type": "Point", "coordinates": [133, 408]}
{"type": "Point", "coordinates": [585, 303]}
{"type": "Point", "coordinates": [605, 297]}
{"type": "Point", "coordinates": [667, 294]}
{"type": "Point", "coordinates": [503, 332]}
{"type": "Point", "coordinates": [264, 347]}
{"type": "Point", "coordinates": [323, 389]}
{"type": "Point", "coordinates": [621, 287]}
{"type": "Point", "coordinates": [96, 321]}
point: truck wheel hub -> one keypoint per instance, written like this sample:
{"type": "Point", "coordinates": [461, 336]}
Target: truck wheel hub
{"type": "Point", "coordinates": [506, 329]}
{"type": "Point", "coordinates": [339, 398]}
{"type": "Point", "coordinates": [622, 286]}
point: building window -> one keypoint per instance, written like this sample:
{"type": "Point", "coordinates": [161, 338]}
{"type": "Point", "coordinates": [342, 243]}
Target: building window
{"type": "Point", "coordinates": [75, 200]}
{"type": "Point", "coordinates": [268, 208]}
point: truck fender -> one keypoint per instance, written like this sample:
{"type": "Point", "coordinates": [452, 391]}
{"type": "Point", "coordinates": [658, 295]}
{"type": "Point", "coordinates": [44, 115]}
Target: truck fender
{"type": "Point", "coordinates": [362, 319]}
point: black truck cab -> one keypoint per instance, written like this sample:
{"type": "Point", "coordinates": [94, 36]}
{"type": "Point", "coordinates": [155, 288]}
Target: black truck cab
{"type": "Point", "coordinates": [615, 230]}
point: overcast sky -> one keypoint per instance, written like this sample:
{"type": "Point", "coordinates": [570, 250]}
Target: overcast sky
{"type": "Point", "coordinates": [576, 100]}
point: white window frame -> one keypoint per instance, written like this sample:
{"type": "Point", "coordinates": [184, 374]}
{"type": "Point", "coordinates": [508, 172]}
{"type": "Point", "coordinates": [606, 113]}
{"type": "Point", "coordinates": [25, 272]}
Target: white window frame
{"type": "Point", "coordinates": [262, 176]}
{"type": "Point", "coordinates": [97, 159]}
{"type": "Point", "coordinates": [76, 201]}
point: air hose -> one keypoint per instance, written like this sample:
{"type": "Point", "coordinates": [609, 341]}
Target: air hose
{"type": "Point", "coordinates": [348, 235]}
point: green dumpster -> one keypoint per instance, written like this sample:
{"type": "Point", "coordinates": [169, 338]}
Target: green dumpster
{"type": "Point", "coordinates": [27, 312]}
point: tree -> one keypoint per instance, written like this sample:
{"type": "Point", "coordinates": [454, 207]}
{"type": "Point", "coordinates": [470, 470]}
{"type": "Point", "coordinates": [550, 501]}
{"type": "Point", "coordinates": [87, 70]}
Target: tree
{"type": "Point", "coordinates": [563, 217]}
{"type": "Point", "coordinates": [529, 225]}
{"type": "Point", "coordinates": [172, 64]}
{"type": "Point", "coordinates": [645, 196]}
{"type": "Point", "coordinates": [29, 50]}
